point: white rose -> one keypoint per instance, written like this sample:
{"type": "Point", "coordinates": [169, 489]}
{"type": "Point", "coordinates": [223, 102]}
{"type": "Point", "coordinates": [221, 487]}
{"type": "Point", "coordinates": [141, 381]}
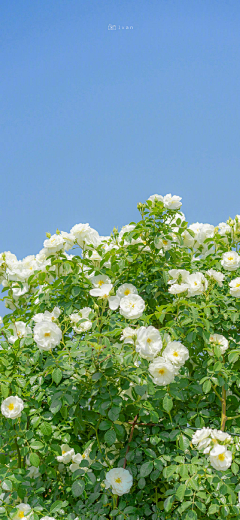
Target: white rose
{"type": "Point", "coordinates": [202, 231]}
{"type": "Point", "coordinates": [102, 291]}
{"type": "Point", "coordinates": [67, 454]}
{"type": "Point", "coordinates": [48, 518]}
{"type": "Point", "coordinates": [132, 306]}
{"type": "Point", "coordinates": [155, 198]}
{"type": "Point", "coordinates": [176, 353]}
{"type": "Point", "coordinates": [178, 288]}
{"type": "Point", "coordinates": [197, 284]}
{"type": "Point", "coordinates": [224, 229]}
{"type": "Point", "coordinates": [126, 229]}
{"type": "Point", "coordinates": [80, 315]}
{"type": "Point", "coordinates": [220, 458]}
{"type": "Point", "coordinates": [200, 435]}
{"type": "Point", "coordinates": [100, 280]}
{"type": "Point", "coordinates": [161, 243]}
{"type": "Point", "coordinates": [53, 244]}
{"type": "Point", "coordinates": [19, 329]}
{"type": "Point", "coordinates": [120, 480]}
{"type": "Point", "coordinates": [188, 240]}
{"type": "Point", "coordinates": [149, 342]}
{"type": "Point", "coordinates": [23, 511]}
{"type": "Point", "coordinates": [33, 472]}
{"type": "Point", "coordinates": [230, 261]}
{"type": "Point", "coordinates": [235, 287]}
{"type": "Point", "coordinates": [47, 335]}
{"type": "Point", "coordinates": [69, 240]}
{"type": "Point", "coordinates": [77, 459]}
{"type": "Point", "coordinates": [220, 341]}
{"type": "Point", "coordinates": [47, 316]}
{"type": "Point", "coordinates": [162, 371]}
{"type": "Point", "coordinates": [178, 275]}
{"type": "Point", "coordinates": [221, 436]}
{"type": "Point", "coordinates": [1, 320]}
{"type": "Point", "coordinates": [12, 407]}
{"type": "Point", "coordinates": [172, 202]}
{"type": "Point", "coordinates": [126, 289]}
{"type": "Point", "coordinates": [127, 335]}
{"type": "Point", "coordinates": [216, 275]}
{"type": "Point", "coordinates": [85, 235]}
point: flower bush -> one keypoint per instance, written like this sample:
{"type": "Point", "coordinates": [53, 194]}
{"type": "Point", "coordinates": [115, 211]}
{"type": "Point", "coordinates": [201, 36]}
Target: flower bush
{"type": "Point", "coordinates": [120, 385]}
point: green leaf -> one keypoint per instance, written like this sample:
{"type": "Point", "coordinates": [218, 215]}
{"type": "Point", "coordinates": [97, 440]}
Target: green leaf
{"type": "Point", "coordinates": [7, 485]}
{"type": "Point", "coordinates": [235, 468]}
{"type": "Point", "coordinates": [34, 459]}
{"type": "Point", "coordinates": [45, 428]}
{"type": "Point", "coordinates": [233, 357]}
{"type": "Point", "coordinates": [146, 468]}
{"type": "Point", "coordinates": [110, 437]}
{"type": "Point", "coordinates": [207, 386]}
{"type": "Point", "coordinates": [191, 515]}
{"type": "Point", "coordinates": [141, 483]}
{"type": "Point", "coordinates": [168, 503]}
{"type": "Point", "coordinates": [113, 414]}
{"type": "Point", "coordinates": [140, 390]}
{"type": "Point", "coordinates": [78, 487]}
{"type": "Point", "coordinates": [4, 390]}
{"type": "Point", "coordinates": [105, 425]}
{"type": "Point", "coordinates": [55, 406]}
{"type": "Point", "coordinates": [57, 376]}
{"type": "Point", "coordinates": [169, 470]}
{"type": "Point", "coordinates": [183, 443]}
{"type": "Point", "coordinates": [181, 491]}
{"type": "Point", "coordinates": [56, 506]}
{"type": "Point", "coordinates": [213, 509]}
{"type": "Point", "coordinates": [36, 445]}
{"type": "Point", "coordinates": [167, 403]}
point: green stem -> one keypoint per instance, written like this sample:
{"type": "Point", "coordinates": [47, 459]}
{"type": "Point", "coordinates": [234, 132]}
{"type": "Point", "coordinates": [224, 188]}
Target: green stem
{"type": "Point", "coordinates": [224, 418]}
{"type": "Point", "coordinates": [18, 451]}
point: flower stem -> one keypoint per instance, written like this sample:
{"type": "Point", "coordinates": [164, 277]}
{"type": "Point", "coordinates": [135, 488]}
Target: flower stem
{"type": "Point", "coordinates": [224, 407]}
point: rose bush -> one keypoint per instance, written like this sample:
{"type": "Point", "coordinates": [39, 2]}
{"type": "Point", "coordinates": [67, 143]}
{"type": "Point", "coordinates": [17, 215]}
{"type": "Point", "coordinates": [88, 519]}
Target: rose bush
{"type": "Point", "coordinates": [120, 383]}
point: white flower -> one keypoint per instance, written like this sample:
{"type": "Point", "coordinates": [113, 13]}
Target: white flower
{"type": "Point", "coordinates": [220, 458]}
{"type": "Point", "coordinates": [120, 480]}
{"type": "Point", "coordinates": [172, 202]}
{"type": "Point", "coordinates": [85, 235]}
{"type": "Point", "coordinates": [126, 229]}
{"type": "Point", "coordinates": [235, 287]}
{"type": "Point", "coordinates": [23, 511]}
{"type": "Point", "coordinates": [155, 198]}
{"type": "Point", "coordinates": [188, 240]}
{"type": "Point", "coordinates": [99, 280]}
{"type": "Point", "coordinates": [224, 229]}
{"type": "Point", "coordinates": [202, 231]}
{"type": "Point", "coordinates": [1, 320]}
{"type": "Point", "coordinates": [47, 335]}
{"type": "Point", "coordinates": [67, 454]}
{"type": "Point", "coordinates": [200, 435]}
{"type": "Point", "coordinates": [132, 306]}
{"type": "Point", "coordinates": [69, 240]}
{"type": "Point", "coordinates": [230, 261]}
{"type": "Point", "coordinates": [12, 407]}
{"type": "Point", "coordinates": [102, 291]}
{"type": "Point", "coordinates": [53, 244]}
{"type": "Point", "coordinates": [220, 341]}
{"type": "Point", "coordinates": [47, 316]}
{"type": "Point", "coordinates": [161, 243]}
{"type": "Point", "coordinates": [221, 436]}
{"type": "Point", "coordinates": [216, 275]}
{"type": "Point", "coordinates": [77, 459]}
{"type": "Point", "coordinates": [80, 315]}
{"type": "Point", "coordinates": [33, 472]}
{"type": "Point", "coordinates": [162, 371]}
{"type": "Point", "coordinates": [19, 329]}
{"type": "Point", "coordinates": [127, 335]}
{"type": "Point", "coordinates": [176, 353]}
{"type": "Point", "coordinates": [197, 284]}
{"type": "Point", "coordinates": [178, 275]}
{"type": "Point", "coordinates": [48, 518]}
{"type": "Point", "coordinates": [126, 289]}
{"type": "Point", "coordinates": [178, 288]}
{"type": "Point", "coordinates": [149, 342]}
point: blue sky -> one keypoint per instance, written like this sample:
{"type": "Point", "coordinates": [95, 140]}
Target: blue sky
{"type": "Point", "coordinates": [94, 121]}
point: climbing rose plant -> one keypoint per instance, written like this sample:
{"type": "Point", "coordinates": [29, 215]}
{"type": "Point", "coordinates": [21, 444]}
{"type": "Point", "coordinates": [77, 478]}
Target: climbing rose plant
{"type": "Point", "coordinates": [120, 385]}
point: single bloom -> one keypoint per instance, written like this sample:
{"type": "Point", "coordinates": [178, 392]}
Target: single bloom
{"type": "Point", "coordinates": [128, 335]}
{"type": "Point", "coordinates": [220, 458]}
{"type": "Point", "coordinates": [200, 435]}
{"type": "Point", "coordinates": [235, 287]}
{"type": "Point", "coordinates": [126, 289]}
{"type": "Point", "coordinates": [19, 330]}
{"type": "Point", "coordinates": [82, 314]}
{"type": "Point", "coordinates": [100, 280]}
{"type": "Point", "coordinates": [23, 511]}
{"type": "Point", "coordinates": [54, 244]}
{"type": "Point", "coordinates": [220, 341]}
{"type": "Point", "coordinates": [69, 240]}
{"type": "Point", "coordinates": [67, 454]}
{"type": "Point", "coordinates": [162, 371]}
{"type": "Point", "coordinates": [85, 235]}
{"type": "Point", "coordinates": [132, 306]}
{"type": "Point", "coordinates": [155, 198]}
{"type": "Point", "coordinates": [102, 291]}
{"type": "Point", "coordinates": [202, 231]}
{"type": "Point", "coordinates": [178, 288]}
{"type": "Point", "coordinates": [178, 276]}
{"type": "Point", "coordinates": [12, 407]}
{"type": "Point", "coordinates": [216, 275]}
{"type": "Point", "coordinates": [172, 201]}
{"type": "Point", "coordinates": [47, 316]}
{"type": "Point", "coordinates": [230, 261]}
{"type": "Point", "coordinates": [221, 436]}
{"type": "Point", "coordinates": [176, 352]}
{"type": "Point", "coordinates": [148, 343]}
{"type": "Point", "coordinates": [120, 480]}
{"type": "Point", "coordinates": [47, 335]}
{"type": "Point", "coordinates": [197, 284]}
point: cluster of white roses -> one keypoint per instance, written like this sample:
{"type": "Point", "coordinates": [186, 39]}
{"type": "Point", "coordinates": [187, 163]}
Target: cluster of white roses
{"type": "Point", "coordinates": [24, 512]}
{"type": "Point", "coordinates": [69, 455]}
{"type": "Point", "coordinates": [127, 299]}
{"type": "Point", "coordinates": [214, 443]}
{"type": "Point", "coordinates": [149, 344]}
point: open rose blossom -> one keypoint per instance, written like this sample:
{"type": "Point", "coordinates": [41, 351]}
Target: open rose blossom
{"type": "Point", "coordinates": [120, 480]}
{"type": "Point", "coordinates": [12, 407]}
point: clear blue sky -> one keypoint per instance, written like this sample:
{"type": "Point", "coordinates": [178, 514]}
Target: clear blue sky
{"type": "Point", "coordinates": [94, 121]}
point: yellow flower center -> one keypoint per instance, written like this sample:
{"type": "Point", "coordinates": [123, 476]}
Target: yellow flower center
{"type": "Point", "coordinates": [230, 258]}
{"type": "Point", "coordinates": [52, 318]}
{"type": "Point", "coordinates": [11, 406]}
{"type": "Point", "coordinates": [126, 292]}
{"type": "Point", "coordinates": [237, 285]}
{"type": "Point", "coordinates": [165, 242]}
{"type": "Point", "coordinates": [221, 456]}
{"type": "Point", "coordinates": [161, 371]}
{"type": "Point", "coordinates": [47, 334]}
{"type": "Point", "coordinates": [21, 514]}
{"type": "Point", "coordinates": [63, 452]}
{"type": "Point", "coordinates": [101, 282]}
{"type": "Point", "coordinates": [84, 456]}
{"type": "Point", "coordinates": [175, 354]}
{"type": "Point", "coordinates": [118, 480]}
{"type": "Point", "coordinates": [195, 283]}
{"type": "Point", "coordinates": [149, 340]}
